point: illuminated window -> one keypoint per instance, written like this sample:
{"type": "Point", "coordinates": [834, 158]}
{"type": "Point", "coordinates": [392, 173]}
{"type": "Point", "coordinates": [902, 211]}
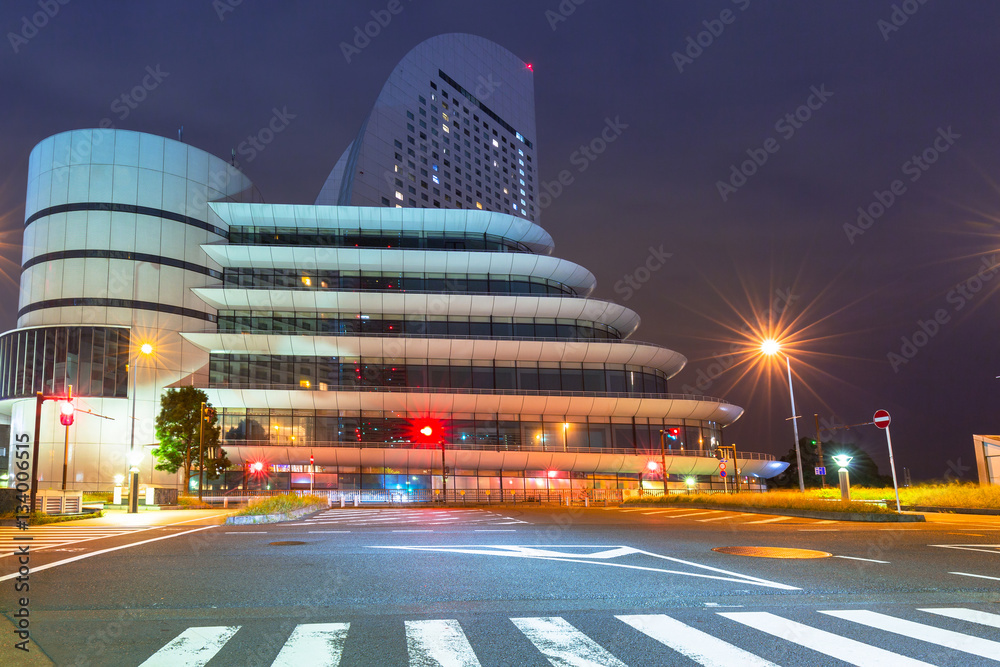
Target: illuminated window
{"type": "Point", "coordinates": [445, 116]}
{"type": "Point", "coordinates": [478, 205]}
{"type": "Point", "coordinates": [496, 144]}
{"type": "Point", "coordinates": [445, 128]}
{"type": "Point", "coordinates": [435, 179]}
{"type": "Point", "coordinates": [307, 281]}
{"type": "Point", "coordinates": [302, 383]}
{"type": "Point", "coordinates": [399, 195]}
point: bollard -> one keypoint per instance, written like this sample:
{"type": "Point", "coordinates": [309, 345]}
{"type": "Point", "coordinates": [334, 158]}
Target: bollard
{"type": "Point", "coordinates": [343, 501]}
{"type": "Point", "coordinates": [225, 502]}
{"type": "Point", "coordinates": [586, 502]}
{"type": "Point", "coordinates": [356, 501]}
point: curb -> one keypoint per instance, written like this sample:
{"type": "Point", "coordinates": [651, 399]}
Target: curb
{"type": "Point", "coordinates": [951, 510]}
{"type": "Point", "coordinates": [803, 514]}
{"type": "Point", "coordinates": [249, 519]}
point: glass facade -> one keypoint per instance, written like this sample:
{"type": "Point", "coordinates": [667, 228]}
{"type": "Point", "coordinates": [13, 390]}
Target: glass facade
{"type": "Point", "coordinates": [383, 281]}
{"type": "Point", "coordinates": [356, 238]}
{"type": "Point", "coordinates": [330, 373]}
{"type": "Point", "coordinates": [93, 360]}
{"type": "Point", "coordinates": [292, 428]}
{"type": "Point", "coordinates": [236, 321]}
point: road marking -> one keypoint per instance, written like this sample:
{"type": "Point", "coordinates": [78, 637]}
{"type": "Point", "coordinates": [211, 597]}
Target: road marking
{"type": "Point", "coordinates": [245, 532]}
{"type": "Point", "coordinates": [329, 531]}
{"type": "Point", "coordinates": [970, 615]}
{"type": "Point", "coordinates": [967, 534]}
{"type": "Point", "coordinates": [495, 530]}
{"type": "Point", "coordinates": [563, 645]}
{"type": "Point", "coordinates": [826, 521]}
{"type": "Point", "coordinates": [44, 537]}
{"type": "Point", "coordinates": [991, 548]}
{"type": "Point", "coordinates": [699, 646]}
{"type": "Point", "coordinates": [984, 648]}
{"type": "Point", "coordinates": [870, 560]}
{"type": "Point", "coordinates": [835, 646]}
{"type": "Point", "coordinates": [192, 648]}
{"type": "Point", "coordinates": [319, 644]}
{"type": "Point", "coordinates": [684, 516]}
{"type": "Point", "coordinates": [413, 531]}
{"type": "Point", "coordinates": [819, 530]}
{"type": "Point", "coordinates": [777, 518]}
{"type": "Point", "coordinates": [541, 552]}
{"type": "Point", "coordinates": [104, 551]}
{"type": "Point", "coordinates": [720, 518]}
{"type": "Point", "coordinates": [963, 574]}
{"type": "Point", "coordinates": [438, 644]}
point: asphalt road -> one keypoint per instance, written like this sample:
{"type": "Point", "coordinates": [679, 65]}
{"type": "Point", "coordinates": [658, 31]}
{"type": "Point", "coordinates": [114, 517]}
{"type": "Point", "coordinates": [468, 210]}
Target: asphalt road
{"type": "Point", "coordinates": [512, 586]}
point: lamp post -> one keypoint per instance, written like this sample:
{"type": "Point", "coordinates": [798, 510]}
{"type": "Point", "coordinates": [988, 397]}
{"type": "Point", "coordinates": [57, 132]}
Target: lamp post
{"type": "Point", "coordinates": [771, 347]}
{"type": "Point", "coordinates": [133, 459]}
{"type": "Point", "coordinates": [663, 461]}
{"type": "Point", "coordinates": [843, 460]}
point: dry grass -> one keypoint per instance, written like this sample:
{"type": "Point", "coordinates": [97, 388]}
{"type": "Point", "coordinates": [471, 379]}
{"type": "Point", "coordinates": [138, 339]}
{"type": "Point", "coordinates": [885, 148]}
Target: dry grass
{"type": "Point", "coordinates": [770, 500]}
{"type": "Point", "coordinates": [287, 502]}
{"type": "Point", "coordinates": [969, 496]}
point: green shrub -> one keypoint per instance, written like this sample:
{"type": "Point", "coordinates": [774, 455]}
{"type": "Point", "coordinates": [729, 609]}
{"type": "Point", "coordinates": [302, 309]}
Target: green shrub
{"type": "Point", "coordinates": [968, 496]}
{"type": "Point", "coordinates": [286, 502]}
{"type": "Point", "coordinates": [770, 500]}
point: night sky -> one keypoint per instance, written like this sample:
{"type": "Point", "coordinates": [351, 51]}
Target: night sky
{"type": "Point", "coordinates": [882, 93]}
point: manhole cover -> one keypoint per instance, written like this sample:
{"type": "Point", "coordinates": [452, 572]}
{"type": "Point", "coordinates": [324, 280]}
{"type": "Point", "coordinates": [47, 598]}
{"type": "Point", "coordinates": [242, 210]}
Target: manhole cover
{"type": "Point", "coordinates": [288, 543]}
{"type": "Point", "coordinates": [772, 552]}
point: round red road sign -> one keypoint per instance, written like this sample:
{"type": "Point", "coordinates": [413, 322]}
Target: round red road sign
{"type": "Point", "coordinates": [881, 419]}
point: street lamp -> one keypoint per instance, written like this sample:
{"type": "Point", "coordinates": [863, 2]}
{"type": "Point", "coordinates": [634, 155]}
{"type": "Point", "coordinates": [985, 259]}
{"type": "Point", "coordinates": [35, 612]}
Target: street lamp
{"type": "Point", "coordinates": [771, 347]}
{"type": "Point", "coordinates": [843, 460]}
{"type": "Point", "coordinates": [133, 492]}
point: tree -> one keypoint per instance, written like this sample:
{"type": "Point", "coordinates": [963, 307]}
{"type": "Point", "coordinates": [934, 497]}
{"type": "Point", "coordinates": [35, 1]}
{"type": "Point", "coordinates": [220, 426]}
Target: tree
{"type": "Point", "coordinates": [177, 430]}
{"type": "Point", "coordinates": [863, 470]}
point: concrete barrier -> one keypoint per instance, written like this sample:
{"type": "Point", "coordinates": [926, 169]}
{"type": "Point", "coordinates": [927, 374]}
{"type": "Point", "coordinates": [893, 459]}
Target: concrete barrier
{"type": "Point", "coordinates": [249, 519]}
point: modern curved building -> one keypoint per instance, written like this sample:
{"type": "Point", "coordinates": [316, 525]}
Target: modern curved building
{"type": "Point", "coordinates": [385, 338]}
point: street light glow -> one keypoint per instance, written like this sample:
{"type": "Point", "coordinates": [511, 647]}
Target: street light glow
{"type": "Point", "coordinates": [652, 465]}
{"type": "Point", "coordinates": [770, 346]}
{"type": "Point", "coordinates": [427, 430]}
{"type": "Point", "coordinates": [146, 348]}
{"type": "Point", "coordinates": [842, 460]}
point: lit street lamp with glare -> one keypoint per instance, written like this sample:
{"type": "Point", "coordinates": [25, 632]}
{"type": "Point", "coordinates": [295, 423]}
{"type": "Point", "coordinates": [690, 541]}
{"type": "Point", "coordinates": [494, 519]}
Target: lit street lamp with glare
{"type": "Point", "coordinates": [771, 347]}
{"type": "Point", "coordinates": [843, 460]}
{"type": "Point", "coordinates": [133, 493]}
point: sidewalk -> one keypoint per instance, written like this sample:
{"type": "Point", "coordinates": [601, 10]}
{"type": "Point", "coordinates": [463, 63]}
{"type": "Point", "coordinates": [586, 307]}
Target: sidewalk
{"type": "Point", "coordinates": [123, 518]}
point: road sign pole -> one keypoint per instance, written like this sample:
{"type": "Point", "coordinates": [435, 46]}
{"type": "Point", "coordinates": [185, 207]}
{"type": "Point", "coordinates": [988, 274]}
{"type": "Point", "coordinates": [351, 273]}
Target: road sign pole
{"type": "Point", "coordinates": [892, 466]}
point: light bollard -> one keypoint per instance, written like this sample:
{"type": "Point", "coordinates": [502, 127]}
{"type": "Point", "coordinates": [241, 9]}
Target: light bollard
{"type": "Point", "coordinates": [843, 461]}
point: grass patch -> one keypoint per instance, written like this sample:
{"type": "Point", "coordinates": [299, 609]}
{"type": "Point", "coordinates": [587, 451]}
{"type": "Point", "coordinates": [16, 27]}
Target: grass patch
{"type": "Point", "coordinates": [966, 496]}
{"type": "Point", "coordinates": [284, 503]}
{"type": "Point", "coordinates": [98, 497]}
{"type": "Point", "coordinates": [38, 519]}
{"type": "Point", "coordinates": [771, 500]}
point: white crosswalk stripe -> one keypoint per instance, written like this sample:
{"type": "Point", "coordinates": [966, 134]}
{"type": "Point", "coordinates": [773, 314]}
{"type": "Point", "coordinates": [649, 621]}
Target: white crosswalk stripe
{"type": "Point", "coordinates": [434, 643]}
{"type": "Point", "coordinates": [700, 646]}
{"type": "Point", "coordinates": [957, 641]}
{"type": "Point", "coordinates": [378, 517]}
{"type": "Point", "coordinates": [563, 645]}
{"type": "Point", "coordinates": [192, 648]}
{"type": "Point", "coordinates": [315, 644]}
{"type": "Point", "coordinates": [43, 537]}
{"type": "Point", "coordinates": [828, 643]}
{"type": "Point", "coordinates": [444, 643]}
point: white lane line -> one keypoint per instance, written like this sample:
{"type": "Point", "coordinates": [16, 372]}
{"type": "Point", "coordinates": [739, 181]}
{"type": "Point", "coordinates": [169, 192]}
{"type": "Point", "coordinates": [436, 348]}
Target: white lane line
{"type": "Point", "coordinates": [100, 532]}
{"type": "Point", "coordinates": [192, 648]}
{"type": "Point", "coordinates": [835, 646]}
{"type": "Point", "coordinates": [961, 574]}
{"type": "Point", "coordinates": [819, 530]}
{"type": "Point", "coordinates": [870, 560]}
{"type": "Point", "coordinates": [699, 646]}
{"type": "Point", "coordinates": [563, 645]}
{"type": "Point", "coordinates": [438, 644]}
{"type": "Point", "coordinates": [319, 644]}
{"type": "Point", "coordinates": [245, 532]}
{"type": "Point", "coordinates": [495, 530]}
{"type": "Point", "coordinates": [720, 518]}
{"type": "Point", "coordinates": [990, 548]}
{"type": "Point", "coordinates": [970, 615]}
{"type": "Point", "coordinates": [956, 641]}
{"type": "Point", "coordinates": [413, 531]}
{"type": "Point", "coordinates": [330, 531]}
{"type": "Point", "coordinates": [104, 551]}
{"type": "Point", "coordinates": [777, 518]}
{"type": "Point", "coordinates": [684, 516]}
{"type": "Point", "coordinates": [825, 521]}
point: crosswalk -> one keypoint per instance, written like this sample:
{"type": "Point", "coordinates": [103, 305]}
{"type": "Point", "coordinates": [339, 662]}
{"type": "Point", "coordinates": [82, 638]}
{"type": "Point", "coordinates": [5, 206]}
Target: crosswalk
{"type": "Point", "coordinates": [50, 536]}
{"type": "Point", "coordinates": [425, 518]}
{"type": "Point", "coordinates": [736, 638]}
{"type": "Point", "coordinates": [730, 517]}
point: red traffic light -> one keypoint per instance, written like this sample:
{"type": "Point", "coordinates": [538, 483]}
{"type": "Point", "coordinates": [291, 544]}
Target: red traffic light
{"type": "Point", "coordinates": [66, 411]}
{"type": "Point", "coordinates": [426, 431]}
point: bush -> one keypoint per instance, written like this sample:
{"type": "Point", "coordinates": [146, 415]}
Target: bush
{"type": "Point", "coordinates": [769, 500]}
{"type": "Point", "coordinates": [967, 496]}
{"type": "Point", "coordinates": [286, 502]}
{"type": "Point", "coordinates": [98, 497]}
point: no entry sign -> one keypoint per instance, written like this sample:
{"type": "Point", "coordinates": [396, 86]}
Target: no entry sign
{"type": "Point", "coordinates": [881, 419]}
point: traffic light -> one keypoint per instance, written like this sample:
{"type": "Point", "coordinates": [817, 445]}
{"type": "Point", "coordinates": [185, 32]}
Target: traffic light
{"type": "Point", "coordinates": [66, 410]}
{"type": "Point", "coordinates": [427, 431]}
{"type": "Point", "coordinates": [208, 413]}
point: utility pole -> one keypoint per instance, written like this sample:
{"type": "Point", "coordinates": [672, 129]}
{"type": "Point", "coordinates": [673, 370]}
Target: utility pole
{"type": "Point", "coordinates": [819, 451]}
{"type": "Point", "coordinates": [663, 462]}
{"type": "Point", "coordinates": [201, 449]}
{"type": "Point", "coordinates": [444, 476]}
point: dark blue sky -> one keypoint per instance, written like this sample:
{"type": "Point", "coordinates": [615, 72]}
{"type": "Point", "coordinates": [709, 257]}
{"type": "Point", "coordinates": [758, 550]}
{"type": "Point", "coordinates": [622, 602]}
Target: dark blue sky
{"type": "Point", "coordinates": [888, 94]}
